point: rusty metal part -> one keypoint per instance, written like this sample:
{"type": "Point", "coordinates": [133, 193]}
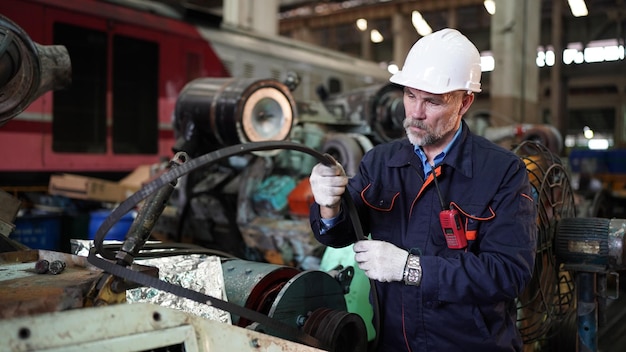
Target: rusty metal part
{"type": "Point", "coordinates": [102, 294]}
{"type": "Point", "coordinates": [338, 330]}
{"type": "Point", "coordinates": [24, 292]}
{"type": "Point", "coordinates": [147, 217]}
{"type": "Point", "coordinates": [27, 69]}
{"type": "Point", "coordinates": [56, 267]}
{"type": "Point", "coordinates": [41, 267]}
{"type": "Point", "coordinates": [110, 289]}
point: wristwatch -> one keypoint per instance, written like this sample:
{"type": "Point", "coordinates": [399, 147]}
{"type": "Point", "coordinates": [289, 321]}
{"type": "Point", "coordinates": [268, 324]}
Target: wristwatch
{"type": "Point", "coordinates": [412, 270]}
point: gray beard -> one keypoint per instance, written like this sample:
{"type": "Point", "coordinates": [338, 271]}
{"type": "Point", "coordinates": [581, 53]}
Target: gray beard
{"type": "Point", "coordinates": [428, 138]}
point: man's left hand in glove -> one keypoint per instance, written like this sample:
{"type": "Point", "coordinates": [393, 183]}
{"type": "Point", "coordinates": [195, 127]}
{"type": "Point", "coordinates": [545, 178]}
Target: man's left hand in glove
{"type": "Point", "coordinates": [381, 261]}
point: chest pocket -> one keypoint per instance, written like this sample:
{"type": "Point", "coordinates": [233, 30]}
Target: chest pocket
{"type": "Point", "coordinates": [383, 205]}
{"type": "Point", "coordinates": [473, 216]}
{"type": "Point", "coordinates": [379, 199]}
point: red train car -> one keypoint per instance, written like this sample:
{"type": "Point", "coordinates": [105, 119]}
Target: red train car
{"type": "Point", "coordinates": [128, 66]}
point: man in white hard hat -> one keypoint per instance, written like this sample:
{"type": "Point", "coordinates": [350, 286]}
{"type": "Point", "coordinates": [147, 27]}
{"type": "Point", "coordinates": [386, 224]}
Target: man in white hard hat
{"type": "Point", "coordinates": [449, 255]}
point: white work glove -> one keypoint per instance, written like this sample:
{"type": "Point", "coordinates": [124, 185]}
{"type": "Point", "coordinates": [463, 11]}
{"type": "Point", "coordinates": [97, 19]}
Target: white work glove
{"type": "Point", "coordinates": [380, 260]}
{"type": "Point", "coordinates": [328, 184]}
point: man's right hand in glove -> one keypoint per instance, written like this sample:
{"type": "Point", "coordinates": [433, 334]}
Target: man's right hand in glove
{"type": "Point", "coordinates": [328, 184]}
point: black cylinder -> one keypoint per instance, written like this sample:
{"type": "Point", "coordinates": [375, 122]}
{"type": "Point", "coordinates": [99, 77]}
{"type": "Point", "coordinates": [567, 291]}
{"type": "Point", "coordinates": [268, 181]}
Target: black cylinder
{"type": "Point", "coordinates": [583, 242]}
{"type": "Point", "coordinates": [229, 111]}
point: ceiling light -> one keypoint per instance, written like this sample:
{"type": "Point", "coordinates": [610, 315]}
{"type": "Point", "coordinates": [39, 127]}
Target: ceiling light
{"type": "Point", "coordinates": [578, 7]}
{"type": "Point", "coordinates": [375, 36]}
{"type": "Point", "coordinates": [361, 24]}
{"type": "Point", "coordinates": [487, 62]}
{"type": "Point", "coordinates": [420, 24]}
{"type": "Point", "coordinates": [598, 144]}
{"type": "Point", "coordinates": [393, 68]}
{"type": "Point", "coordinates": [490, 6]}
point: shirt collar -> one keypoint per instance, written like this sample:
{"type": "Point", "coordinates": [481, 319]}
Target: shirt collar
{"type": "Point", "coordinates": [427, 167]}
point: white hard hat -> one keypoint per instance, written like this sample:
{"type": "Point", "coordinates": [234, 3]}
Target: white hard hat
{"type": "Point", "coordinates": [441, 62]}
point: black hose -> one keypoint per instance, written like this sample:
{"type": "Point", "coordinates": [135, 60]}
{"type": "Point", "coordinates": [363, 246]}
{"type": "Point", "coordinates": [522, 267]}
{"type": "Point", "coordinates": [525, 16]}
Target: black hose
{"type": "Point", "coordinates": [215, 156]}
{"type": "Point", "coordinates": [201, 161]}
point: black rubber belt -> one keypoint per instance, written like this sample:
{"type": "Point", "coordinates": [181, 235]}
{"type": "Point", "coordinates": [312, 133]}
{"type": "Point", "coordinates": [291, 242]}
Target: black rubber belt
{"type": "Point", "coordinates": [175, 173]}
{"type": "Point", "coordinates": [179, 291]}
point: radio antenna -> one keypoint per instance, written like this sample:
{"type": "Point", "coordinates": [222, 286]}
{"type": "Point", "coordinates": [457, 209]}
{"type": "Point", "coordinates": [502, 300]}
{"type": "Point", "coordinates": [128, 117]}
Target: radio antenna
{"type": "Point", "coordinates": [443, 205]}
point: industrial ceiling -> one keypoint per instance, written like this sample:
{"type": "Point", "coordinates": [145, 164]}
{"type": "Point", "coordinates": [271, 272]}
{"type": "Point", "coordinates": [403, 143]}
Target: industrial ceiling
{"type": "Point", "coordinates": [332, 22]}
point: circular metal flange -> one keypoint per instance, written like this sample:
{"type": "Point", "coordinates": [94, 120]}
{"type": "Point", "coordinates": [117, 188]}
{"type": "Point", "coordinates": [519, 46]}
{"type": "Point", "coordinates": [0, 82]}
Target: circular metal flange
{"type": "Point", "coordinates": [267, 116]}
{"type": "Point", "coordinates": [254, 285]}
{"type": "Point", "coordinates": [303, 294]}
{"type": "Point", "coordinates": [338, 330]}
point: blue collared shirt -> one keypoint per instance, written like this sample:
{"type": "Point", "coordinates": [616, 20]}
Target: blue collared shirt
{"type": "Point", "coordinates": [429, 168]}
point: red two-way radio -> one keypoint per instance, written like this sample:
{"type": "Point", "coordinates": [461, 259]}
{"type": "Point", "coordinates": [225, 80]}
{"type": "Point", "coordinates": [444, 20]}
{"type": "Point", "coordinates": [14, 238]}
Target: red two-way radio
{"type": "Point", "coordinates": [450, 221]}
{"type": "Point", "coordinates": [453, 229]}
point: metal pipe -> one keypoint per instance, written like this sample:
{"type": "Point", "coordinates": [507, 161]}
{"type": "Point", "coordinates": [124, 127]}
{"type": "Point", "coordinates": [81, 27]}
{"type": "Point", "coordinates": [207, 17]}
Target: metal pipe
{"type": "Point", "coordinates": [587, 312]}
{"type": "Point", "coordinates": [147, 217]}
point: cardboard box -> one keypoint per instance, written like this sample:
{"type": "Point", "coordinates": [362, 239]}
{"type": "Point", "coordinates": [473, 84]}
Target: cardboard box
{"type": "Point", "coordinates": [81, 187]}
{"type": "Point", "coordinates": [137, 178]}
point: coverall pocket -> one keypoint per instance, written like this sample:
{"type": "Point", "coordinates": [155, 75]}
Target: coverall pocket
{"type": "Point", "coordinates": [458, 318]}
{"type": "Point", "coordinates": [379, 199]}
{"type": "Point", "coordinates": [383, 208]}
{"type": "Point", "coordinates": [472, 216]}
{"type": "Point", "coordinates": [479, 320]}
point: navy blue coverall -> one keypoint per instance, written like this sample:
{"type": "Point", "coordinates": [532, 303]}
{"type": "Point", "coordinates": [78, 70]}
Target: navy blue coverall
{"type": "Point", "coordinates": [466, 299]}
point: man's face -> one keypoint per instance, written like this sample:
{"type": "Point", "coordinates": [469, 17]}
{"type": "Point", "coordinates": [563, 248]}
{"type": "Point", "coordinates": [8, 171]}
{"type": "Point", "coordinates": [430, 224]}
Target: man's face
{"type": "Point", "coordinates": [432, 119]}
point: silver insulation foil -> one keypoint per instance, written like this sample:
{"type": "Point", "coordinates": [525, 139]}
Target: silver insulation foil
{"type": "Point", "coordinates": [201, 273]}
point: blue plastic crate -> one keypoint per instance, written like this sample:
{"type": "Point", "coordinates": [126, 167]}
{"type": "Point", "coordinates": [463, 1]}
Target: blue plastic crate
{"type": "Point", "coordinates": [117, 232]}
{"type": "Point", "coordinates": [588, 161]}
{"type": "Point", "coordinates": [616, 161]}
{"type": "Point", "coordinates": [38, 231]}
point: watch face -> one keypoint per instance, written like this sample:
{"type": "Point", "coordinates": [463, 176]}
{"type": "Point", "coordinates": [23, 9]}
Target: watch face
{"type": "Point", "coordinates": [413, 270]}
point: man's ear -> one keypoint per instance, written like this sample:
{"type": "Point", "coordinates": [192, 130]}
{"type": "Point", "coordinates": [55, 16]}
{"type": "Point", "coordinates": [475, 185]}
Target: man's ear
{"type": "Point", "coordinates": [466, 102]}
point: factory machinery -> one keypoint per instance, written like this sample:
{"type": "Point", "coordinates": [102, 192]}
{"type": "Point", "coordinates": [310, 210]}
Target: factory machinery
{"type": "Point", "coordinates": [237, 139]}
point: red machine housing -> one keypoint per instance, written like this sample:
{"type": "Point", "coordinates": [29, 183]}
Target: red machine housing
{"type": "Point", "coordinates": [128, 67]}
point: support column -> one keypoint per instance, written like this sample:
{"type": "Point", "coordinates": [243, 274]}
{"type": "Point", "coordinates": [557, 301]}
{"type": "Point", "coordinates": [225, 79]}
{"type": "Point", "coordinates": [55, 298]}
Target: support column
{"type": "Point", "coordinates": [515, 79]}
{"type": "Point", "coordinates": [303, 34]}
{"type": "Point", "coordinates": [366, 45]}
{"type": "Point", "coordinates": [452, 17]}
{"type": "Point", "coordinates": [404, 36]}
{"type": "Point", "coordinates": [558, 93]}
{"type": "Point", "coordinates": [620, 122]}
{"type": "Point", "coordinates": [256, 16]}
